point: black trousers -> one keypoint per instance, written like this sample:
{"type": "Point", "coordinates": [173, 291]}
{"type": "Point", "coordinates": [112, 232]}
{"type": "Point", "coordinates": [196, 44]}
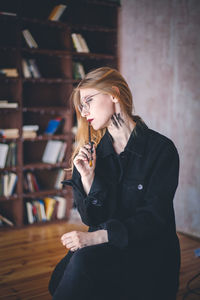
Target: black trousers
{"type": "Point", "coordinates": [93, 272]}
{"type": "Point", "coordinates": [103, 272]}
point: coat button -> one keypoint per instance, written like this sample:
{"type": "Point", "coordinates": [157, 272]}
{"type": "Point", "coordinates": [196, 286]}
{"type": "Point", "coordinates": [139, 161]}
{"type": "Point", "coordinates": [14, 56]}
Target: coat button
{"type": "Point", "coordinates": [95, 201]}
{"type": "Point", "coordinates": [140, 186]}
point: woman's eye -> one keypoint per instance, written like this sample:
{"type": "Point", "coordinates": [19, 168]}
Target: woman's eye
{"type": "Point", "coordinates": [88, 100]}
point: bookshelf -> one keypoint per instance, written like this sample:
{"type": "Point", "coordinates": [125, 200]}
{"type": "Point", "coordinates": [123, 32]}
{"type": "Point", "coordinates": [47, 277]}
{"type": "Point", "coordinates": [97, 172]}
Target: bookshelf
{"type": "Point", "coordinates": [41, 98]}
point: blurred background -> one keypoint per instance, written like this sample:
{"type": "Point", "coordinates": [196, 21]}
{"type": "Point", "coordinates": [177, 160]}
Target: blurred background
{"type": "Point", "coordinates": [159, 45]}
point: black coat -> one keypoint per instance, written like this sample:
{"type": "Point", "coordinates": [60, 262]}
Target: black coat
{"type": "Point", "coordinates": [132, 198]}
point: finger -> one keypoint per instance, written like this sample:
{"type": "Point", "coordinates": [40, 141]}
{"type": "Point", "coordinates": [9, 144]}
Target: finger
{"type": "Point", "coordinates": [84, 153]}
{"type": "Point", "coordinates": [80, 157]}
{"type": "Point", "coordinates": [68, 235]}
{"type": "Point", "coordinates": [74, 249]}
{"type": "Point", "coordinates": [86, 148]}
{"type": "Point", "coordinates": [69, 245]}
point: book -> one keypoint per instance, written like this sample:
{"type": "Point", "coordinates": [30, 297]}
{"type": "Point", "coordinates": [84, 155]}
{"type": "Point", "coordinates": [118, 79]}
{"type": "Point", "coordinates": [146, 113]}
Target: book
{"type": "Point", "coordinates": [25, 69]}
{"type": "Point", "coordinates": [42, 210]}
{"type": "Point", "coordinates": [30, 127]}
{"type": "Point", "coordinates": [6, 13]}
{"type": "Point", "coordinates": [29, 210]}
{"type": "Point", "coordinates": [57, 12]}
{"type": "Point", "coordinates": [79, 43]}
{"type": "Point", "coordinates": [3, 154]}
{"type": "Point", "coordinates": [54, 125]}
{"type": "Point", "coordinates": [76, 42]}
{"type": "Point", "coordinates": [11, 158]}
{"type": "Point", "coordinates": [62, 152]}
{"type": "Point", "coordinates": [83, 43]}
{"type": "Point", "coordinates": [29, 131]}
{"type": "Point", "coordinates": [29, 134]}
{"type": "Point", "coordinates": [12, 180]}
{"type": "Point", "coordinates": [34, 67]}
{"type": "Point", "coordinates": [9, 133]}
{"type": "Point", "coordinates": [60, 177]}
{"type": "Point", "coordinates": [30, 68]}
{"type": "Point", "coordinates": [6, 220]}
{"type": "Point", "coordinates": [6, 104]}
{"type": "Point", "coordinates": [8, 182]}
{"type": "Point", "coordinates": [31, 183]}
{"type": "Point", "coordinates": [29, 39]}
{"type": "Point", "coordinates": [52, 151]}
{"type": "Point", "coordinates": [62, 206]}
{"type": "Point", "coordinates": [9, 72]}
{"type": "Point", "coordinates": [78, 70]}
{"type": "Point", "coordinates": [49, 206]}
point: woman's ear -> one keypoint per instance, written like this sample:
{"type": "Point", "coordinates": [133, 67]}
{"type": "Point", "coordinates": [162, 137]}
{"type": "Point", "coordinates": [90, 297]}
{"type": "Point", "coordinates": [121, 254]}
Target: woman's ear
{"type": "Point", "coordinates": [116, 89]}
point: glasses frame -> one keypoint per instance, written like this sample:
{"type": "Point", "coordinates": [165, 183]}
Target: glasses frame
{"type": "Point", "coordinates": [86, 105]}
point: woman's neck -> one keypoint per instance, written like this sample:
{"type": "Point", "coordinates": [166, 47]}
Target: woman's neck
{"type": "Point", "coordinates": [120, 132]}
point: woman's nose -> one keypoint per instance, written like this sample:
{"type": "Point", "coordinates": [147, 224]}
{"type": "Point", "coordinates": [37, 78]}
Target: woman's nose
{"type": "Point", "coordinates": [84, 113]}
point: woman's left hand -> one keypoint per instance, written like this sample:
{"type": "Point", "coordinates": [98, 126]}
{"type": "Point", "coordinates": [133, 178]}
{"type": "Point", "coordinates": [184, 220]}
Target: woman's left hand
{"type": "Point", "coordinates": [77, 239]}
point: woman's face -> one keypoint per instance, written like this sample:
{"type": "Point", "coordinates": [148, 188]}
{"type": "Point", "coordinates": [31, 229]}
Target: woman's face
{"type": "Point", "coordinates": [100, 109]}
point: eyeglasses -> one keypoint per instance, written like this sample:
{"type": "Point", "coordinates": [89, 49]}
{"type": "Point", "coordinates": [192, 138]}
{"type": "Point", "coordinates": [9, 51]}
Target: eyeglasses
{"type": "Point", "coordinates": [86, 106]}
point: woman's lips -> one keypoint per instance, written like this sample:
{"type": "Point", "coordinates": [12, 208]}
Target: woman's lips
{"type": "Point", "coordinates": [90, 120]}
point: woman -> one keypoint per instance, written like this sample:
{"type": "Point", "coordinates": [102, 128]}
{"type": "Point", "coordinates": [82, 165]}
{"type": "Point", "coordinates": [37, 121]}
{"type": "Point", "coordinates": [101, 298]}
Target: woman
{"type": "Point", "coordinates": [131, 250]}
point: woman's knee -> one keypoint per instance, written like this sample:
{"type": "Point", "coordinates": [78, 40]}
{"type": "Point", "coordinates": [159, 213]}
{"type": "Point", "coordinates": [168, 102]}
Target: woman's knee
{"type": "Point", "coordinates": [58, 272]}
{"type": "Point", "coordinates": [81, 258]}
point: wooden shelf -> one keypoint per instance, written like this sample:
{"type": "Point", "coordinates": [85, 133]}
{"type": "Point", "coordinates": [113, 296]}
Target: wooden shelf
{"type": "Point", "coordinates": [9, 198]}
{"type": "Point", "coordinates": [9, 169]}
{"type": "Point", "coordinates": [104, 3]}
{"type": "Point", "coordinates": [48, 80]}
{"type": "Point", "coordinates": [9, 79]}
{"type": "Point", "coordinates": [49, 23]}
{"type": "Point", "coordinates": [51, 109]}
{"type": "Point", "coordinates": [49, 137]}
{"type": "Point", "coordinates": [97, 28]}
{"type": "Point", "coordinates": [96, 56]}
{"type": "Point", "coordinates": [45, 193]}
{"type": "Point", "coordinates": [47, 97]}
{"type": "Point", "coordinates": [9, 110]}
{"type": "Point", "coordinates": [52, 52]}
{"type": "Point", "coordinates": [43, 166]}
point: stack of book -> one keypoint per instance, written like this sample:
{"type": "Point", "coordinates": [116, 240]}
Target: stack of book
{"type": "Point", "coordinates": [9, 72]}
{"type": "Point", "coordinates": [29, 131]}
{"type": "Point", "coordinates": [8, 182]}
{"type": "Point", "coordinates": [6, 104]}
{"type": "Point", "coordinates": [9, 133]}
{"type": "Point", "coordinates": [30, 68]}
{"type": "Point", "coordinates": [8, 155]}
{"type": "Point", "coordinates": [79, 43]}
{"type": "Point", "coordinates": [54, 152]}
{"type": "Point", "coordinates": [47, 209]}
{"type": "Point", "coordinates": [30, 183]}
{"type": "Point", "coordinates": [51, 179]}
{"type": "Point", "coordinates": [57, 12]}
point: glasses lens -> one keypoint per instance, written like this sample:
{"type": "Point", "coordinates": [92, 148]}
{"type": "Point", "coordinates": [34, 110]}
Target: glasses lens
{"type": "Point", "coordinates": [84, 106]}
{"type": "Point", "coordinates": [80, 108]}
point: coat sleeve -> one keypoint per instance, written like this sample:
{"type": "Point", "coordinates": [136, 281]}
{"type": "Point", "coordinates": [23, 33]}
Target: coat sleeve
{"type": "Point", "coordinates": [94, 208]}
{"type": "Point", "coordinates": [154, 218]}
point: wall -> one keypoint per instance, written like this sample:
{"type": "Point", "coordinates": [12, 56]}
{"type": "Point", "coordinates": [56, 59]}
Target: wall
{"type": "Point", "coordinates": [160, 58]}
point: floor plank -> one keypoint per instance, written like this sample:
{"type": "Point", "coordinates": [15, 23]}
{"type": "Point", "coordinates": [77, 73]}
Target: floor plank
{"type": "Point", "coordinates": [28, 256]}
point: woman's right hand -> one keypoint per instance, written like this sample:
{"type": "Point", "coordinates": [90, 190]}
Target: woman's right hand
{"type": "Point", "coordinates": [82, 159]}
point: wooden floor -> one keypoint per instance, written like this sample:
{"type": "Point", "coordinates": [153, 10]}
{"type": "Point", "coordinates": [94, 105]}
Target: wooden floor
{"type": "Point", "coordinates": [28, 256]}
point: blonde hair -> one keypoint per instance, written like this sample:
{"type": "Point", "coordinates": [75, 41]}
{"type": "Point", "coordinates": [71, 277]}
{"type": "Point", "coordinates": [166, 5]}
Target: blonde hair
{"type": "Point", "coordinates": [108, 81]}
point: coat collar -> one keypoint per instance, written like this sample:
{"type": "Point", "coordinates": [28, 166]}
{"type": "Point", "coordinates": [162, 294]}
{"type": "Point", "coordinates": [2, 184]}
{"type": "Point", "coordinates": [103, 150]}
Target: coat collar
{"type": "Point", "coordinates": [136, 142]}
